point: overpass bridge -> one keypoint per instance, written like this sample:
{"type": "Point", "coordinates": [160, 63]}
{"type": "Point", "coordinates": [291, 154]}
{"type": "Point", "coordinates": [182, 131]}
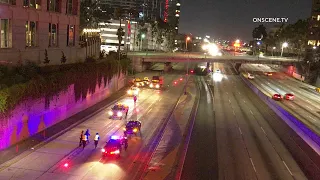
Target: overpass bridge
{"type": "Point", "coordinates": [145, 58]}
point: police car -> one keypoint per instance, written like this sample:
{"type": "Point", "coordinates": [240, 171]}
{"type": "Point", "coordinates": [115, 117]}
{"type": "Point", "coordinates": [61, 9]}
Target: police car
{"type": "Point", "coordinates": [118, 111]}
{"type": "Point", "coordinates": [113, 147]}
{"type": "Point", "coordinates": [132, 127]}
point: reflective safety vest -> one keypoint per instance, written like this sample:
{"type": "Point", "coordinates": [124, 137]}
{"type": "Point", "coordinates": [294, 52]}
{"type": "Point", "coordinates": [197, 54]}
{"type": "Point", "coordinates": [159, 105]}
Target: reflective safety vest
{"type": "Point", "coordinates": [97, 137]}
{"type": "Point", "coordinates": [84, 138]}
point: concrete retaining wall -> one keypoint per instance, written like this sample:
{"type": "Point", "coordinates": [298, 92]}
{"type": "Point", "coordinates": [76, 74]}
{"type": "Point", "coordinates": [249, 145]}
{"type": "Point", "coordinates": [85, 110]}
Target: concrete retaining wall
{"type": "Point", "coordinates": [31, 117]}
{"type": "Point", "coordinates": [310, 137]}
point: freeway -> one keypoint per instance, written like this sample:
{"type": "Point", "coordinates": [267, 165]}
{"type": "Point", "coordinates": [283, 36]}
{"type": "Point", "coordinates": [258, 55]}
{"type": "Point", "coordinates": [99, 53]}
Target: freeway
{"type": "Point", "coordinates": [47, 162]}
{"type": "Point", "coordinates": [232, 137]}
{"type": "Point", "coordinates": [305, 106]}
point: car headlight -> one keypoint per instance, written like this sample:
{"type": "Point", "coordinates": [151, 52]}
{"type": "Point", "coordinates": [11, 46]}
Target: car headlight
{"type": "Point", "coordinates": [151, 85]}
{"type": "Point", "coordinates": [119, 114]}
{"type": "Point", "coordinates": [135, 130]}
{"type": "Point", "coordinates": [124, 129]}
{"type": "Point", "coordinates": [137, 84]}
{"type": "Point", "coordinates": [157, 86]}
{"type": "Point", "coordinates": [103, 150]}
{"type": "Point", "coordinates": [110, 113]}
{"type": "Point", "coordinates": [129, 91]}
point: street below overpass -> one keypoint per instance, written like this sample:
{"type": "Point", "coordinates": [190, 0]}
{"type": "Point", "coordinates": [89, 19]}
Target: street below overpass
{"type": "Point", "coordinates": [62, 159]}
{"type": "Point", "coordinates": [237, 136]}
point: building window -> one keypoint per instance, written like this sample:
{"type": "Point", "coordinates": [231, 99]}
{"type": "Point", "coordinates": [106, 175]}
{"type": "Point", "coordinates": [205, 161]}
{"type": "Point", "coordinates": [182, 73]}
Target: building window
{"type": "Point", "coordinates": [53, 5]}
{"type": "Point", "coordinates": [5, 37]}
{"type": "Point", "coordinates": [69, 7]}
{"type": "Point", "coordinates": [12, 2]}
{"type": "Point", "coordinates": [312, 42]}
{"type": "Point", "coordinates": [32, 3]}
{"type": "Point", "coordinates": [53, 34]}
{"type": "Point", "coordinates": [70, 35]}
{"type": "Point", "coordinates": [31, 33]}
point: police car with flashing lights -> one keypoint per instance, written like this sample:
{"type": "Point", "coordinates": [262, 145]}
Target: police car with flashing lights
{"type": "Point", "coordinates": [132, 127]}
{"type": "Point", "coordinates": [118, 111]}
{"type": "Point", "coordinates": [114, 146]}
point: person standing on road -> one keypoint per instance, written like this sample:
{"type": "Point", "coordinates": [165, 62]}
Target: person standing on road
{"type": "Point", "coordinates": [84, 141]}
{"type": "Point", "coordinates": [96, 140]}
{"type": "Point", "coordinates": [81, 137]}
{"type": "Point", "coordinates": [87, 134]}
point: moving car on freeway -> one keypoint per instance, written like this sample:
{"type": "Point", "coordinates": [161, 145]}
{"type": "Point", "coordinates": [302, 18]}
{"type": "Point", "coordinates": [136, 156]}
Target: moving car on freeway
{"type": "Point", "coordinates": [133, 91]}
{"type": "Point", "coordinates": [113, 147]}
{"type": "Point", "coordinates": [250, 76]}
{"type": "Point", "coordinates": [118, 111]}
{"type": "Point", "coordinates": [289, 96]}
{"type": "Point", "coordinates": [268, 73]}
{"type": "Point", "coordinates": [277, 97]}
{"type": "Point", "coordinates": [132, 127]}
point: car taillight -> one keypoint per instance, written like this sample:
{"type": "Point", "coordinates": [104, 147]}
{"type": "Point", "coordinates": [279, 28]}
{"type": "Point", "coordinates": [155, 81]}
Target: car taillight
{"type": "Point", "coordinates": [115, 152]}
{"type": "Point", "coordinates": [103, 150]}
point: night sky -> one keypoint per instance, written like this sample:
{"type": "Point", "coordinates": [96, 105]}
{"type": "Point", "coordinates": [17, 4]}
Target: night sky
{"type": "Point", "coordinates": [231, 19]}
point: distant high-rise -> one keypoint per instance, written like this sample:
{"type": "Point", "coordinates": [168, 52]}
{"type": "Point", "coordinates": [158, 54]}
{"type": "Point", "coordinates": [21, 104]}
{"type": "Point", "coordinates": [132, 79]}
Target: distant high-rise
{"type": "Point", "coordinates": [314, 28]}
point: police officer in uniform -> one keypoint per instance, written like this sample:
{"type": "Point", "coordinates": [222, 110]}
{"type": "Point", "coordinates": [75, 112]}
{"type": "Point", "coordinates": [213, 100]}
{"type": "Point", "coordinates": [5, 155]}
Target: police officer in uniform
{"type": "Point", "coordinates": [96, 140]}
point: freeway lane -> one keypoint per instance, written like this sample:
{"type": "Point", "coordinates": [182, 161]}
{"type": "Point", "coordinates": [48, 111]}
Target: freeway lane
{"type": "Point", "coordinates": [246, 145]}
{"type": "Point", "coordinates": [201, 158]}
{"type": "Point", "coordinates": [306, 105]}
{"type": "Point", "coordinates": [47, 161]}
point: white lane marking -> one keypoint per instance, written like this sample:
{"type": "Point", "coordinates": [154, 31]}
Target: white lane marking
{"type": "Point", "coordinates": [239, 92]}
{"type": "Point", "coordinates": [233, 112]}
{"type": "Point", "coordinates": [240, 131]}
{"type": "Point", "coordinates": [287, 168]}
{"type": "Point", "coordinates": [263, 131]}
{"type": "Point", "coordinates": [159, 99]}
{"type": "Point", "coordinates": [309, 107]}
{"type": "Point", "coordinates": [229, 101]}
{"type": "Point", "coordinates": [149, 110]}
{"type": "Point", "coordinates": [244, 101]}
{"type": "Point", "coordinates": [312, 118]}
{"type": "Point", "coordinates": [251, 112]}
{"type": "Point", "coordinates": [254, 168]}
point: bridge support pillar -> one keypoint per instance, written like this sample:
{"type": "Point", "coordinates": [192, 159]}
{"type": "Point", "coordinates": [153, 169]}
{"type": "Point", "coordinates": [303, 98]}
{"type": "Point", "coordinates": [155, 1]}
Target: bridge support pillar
{"type": "Point", "coordinates": [237, 67]}
{"type": "Point", "coordinates": [167, 66]}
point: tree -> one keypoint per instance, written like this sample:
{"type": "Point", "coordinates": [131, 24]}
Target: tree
{"type": "Point", "coordinates": [92, 13]}
{"type": "Point", "coordinates": [259, 32]}
{"type": "Point", "coordinates": [118, 13]}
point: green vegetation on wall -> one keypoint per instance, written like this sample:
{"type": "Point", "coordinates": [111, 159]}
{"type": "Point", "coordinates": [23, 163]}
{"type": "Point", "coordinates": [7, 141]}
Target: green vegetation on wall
{"type": "Point", "coordinates": [31, 81]}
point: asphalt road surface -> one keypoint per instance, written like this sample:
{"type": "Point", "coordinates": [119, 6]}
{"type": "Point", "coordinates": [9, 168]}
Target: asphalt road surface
{"type": "Point", "coordinates": [306, 105]}
{"type": "Point", "coordinates": [232, 137]}
{"type": "Point", "coordinates": [48, 161]}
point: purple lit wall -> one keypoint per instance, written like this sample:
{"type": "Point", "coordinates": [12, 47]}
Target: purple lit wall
{"type": "Point", "coordinates": [31, 117]}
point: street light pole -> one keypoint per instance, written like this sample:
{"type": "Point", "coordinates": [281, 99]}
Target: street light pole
{"type": "Point", "coordinates": [284, 45]}
{"type": "Point", "coordinates": [187, 39]}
